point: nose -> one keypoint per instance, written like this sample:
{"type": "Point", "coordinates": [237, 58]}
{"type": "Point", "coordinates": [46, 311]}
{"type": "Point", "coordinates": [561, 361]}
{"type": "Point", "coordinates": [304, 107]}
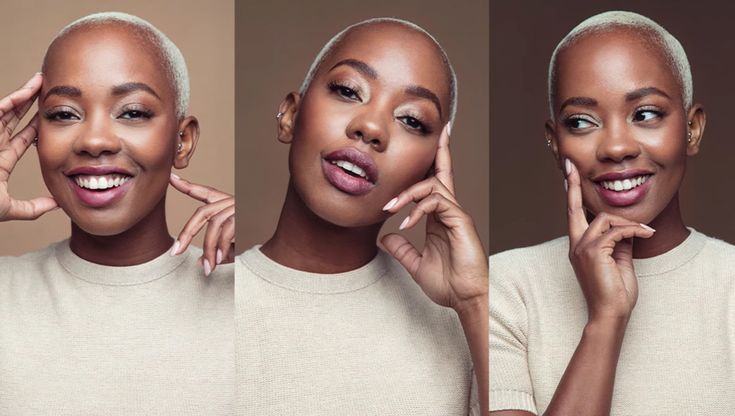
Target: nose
{"type": "Point", "coordinates": [618, 143]}
{"type": "Point", "coordinates": [97, 137]}
{"type": "Point", "coordinates": [370, 127]}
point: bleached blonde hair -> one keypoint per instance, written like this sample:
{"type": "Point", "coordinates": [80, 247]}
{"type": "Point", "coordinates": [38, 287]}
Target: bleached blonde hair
{"type": "Point", "coordinates": [652, 31]}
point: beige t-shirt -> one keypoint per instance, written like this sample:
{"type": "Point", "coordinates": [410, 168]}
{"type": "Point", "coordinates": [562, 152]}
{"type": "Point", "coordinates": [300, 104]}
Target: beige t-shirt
{"type": "Point", "coordinates": [78, 338]}
{"type": "Point", "coordinates": [364, 342]}
{"type": "Point", "coordinates": [678, 354]}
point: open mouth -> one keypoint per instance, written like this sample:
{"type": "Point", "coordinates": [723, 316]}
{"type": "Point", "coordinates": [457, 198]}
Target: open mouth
{"type": "Point", "coordinates": [350, 170]}
{"type": "Point", "coordinates": [100, 183]}
{"type": "Point", "coordinates": [99, 186]}
{"type": "Point", "coordinates": [625, 184]}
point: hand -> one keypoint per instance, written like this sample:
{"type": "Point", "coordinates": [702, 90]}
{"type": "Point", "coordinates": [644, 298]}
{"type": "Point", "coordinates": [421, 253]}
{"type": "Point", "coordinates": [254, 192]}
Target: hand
{"type": "Point", "coordinates": [12, 109]}
{"type": "Point", "coordinates": [219, 216]}
{"type": "Point", "coordinates": [452, 267]}
{"type": "Point", "coordinates": [601, 254]}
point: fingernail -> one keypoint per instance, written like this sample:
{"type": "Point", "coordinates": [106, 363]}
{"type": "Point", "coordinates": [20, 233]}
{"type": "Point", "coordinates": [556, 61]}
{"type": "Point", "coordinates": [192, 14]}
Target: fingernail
{"type": "Point", "coordinates": [566, 185]}
{"type": "Point", "coordinates": [219, 256]}
{"type": "Point", "coordinates": [390, 204]}
{"type": "Point", "coordinates": [175, 248]}
{"type": "Point", "coordinates": [648, 228]}
{"type": "Point", "coordinates": [449, 128]}
{"type": "Point", "coordinates": [207, 268]}
{"type": "Point", "coordinates": [175, 176]}
{"type": "Point", "coordinates": [567, 166]}
{"type": "Point", "coordinates": [403, 224]}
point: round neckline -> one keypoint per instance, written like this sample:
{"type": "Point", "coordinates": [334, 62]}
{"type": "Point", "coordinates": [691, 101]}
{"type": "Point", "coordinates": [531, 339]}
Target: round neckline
{"type": "Point", "coordinates": [672, 259]}
{"type": "Point", "coordinates": [117, 275]}
{"type": "Point", "coordinates": [317, 283]}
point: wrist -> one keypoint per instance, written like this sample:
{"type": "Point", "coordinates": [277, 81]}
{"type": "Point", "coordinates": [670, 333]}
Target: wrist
{"type": "Point", "coordinates": [473, 308]}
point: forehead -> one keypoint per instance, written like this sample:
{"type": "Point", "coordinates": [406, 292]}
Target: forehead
{"type": "Point", "coordinates": [615, 61]}
{"type": "Point", "coordinates": [107, 54]}
{"type": "Point", "coordinates": [399, 54]}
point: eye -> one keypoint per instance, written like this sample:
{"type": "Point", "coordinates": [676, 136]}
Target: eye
{"type": "Point", "coordinates": [61, 115]}
{"type": "Point", "coordinates": [135, 114]}
{"type": "Point", "coordinates": [414, 124]}
{"type": "Point", "coordinates": [579, 123]}
{"type": "Point", "coordinates": [646, 115]}
{"type": "Point", "coordinates": [345, 91]}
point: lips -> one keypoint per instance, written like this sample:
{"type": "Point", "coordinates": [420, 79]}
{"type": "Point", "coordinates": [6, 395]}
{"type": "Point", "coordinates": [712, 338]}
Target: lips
{"type": "Point", "coordinates": [99, 186]}
{"type": "Point", "coordinates": [623, 188]}
{"type": "Point", "coordinates": [350, 170]}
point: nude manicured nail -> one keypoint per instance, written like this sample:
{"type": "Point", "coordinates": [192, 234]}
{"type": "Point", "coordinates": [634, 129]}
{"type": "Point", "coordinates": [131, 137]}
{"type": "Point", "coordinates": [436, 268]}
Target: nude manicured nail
{"type": "Point", "coordinates": [175, 248]}
{"type": "Point", "coordinates": [207, 268]}
{"type": "Point", "coordinates": [449, 128]}
{"type": "Point", "coordinates": [567, 166]}
{"type": "Point", "coordinates": [173, 175]}
{"type": "Point", "coordinates": [219, 256]}
{"type": "Point", "coordinates": [566, 185]}
{"type": "Point", "coordinates": [648, 228]}
{"type": "Point", "coordinates": [390, 204]}
{"type": "Point", "coordinates": [403, 224]}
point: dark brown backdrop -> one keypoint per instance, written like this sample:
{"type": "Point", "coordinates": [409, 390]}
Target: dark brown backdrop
{"type": "Point", "coordinates": [527, 194]}
{"type": "Point", "coordinates": [276, 42]}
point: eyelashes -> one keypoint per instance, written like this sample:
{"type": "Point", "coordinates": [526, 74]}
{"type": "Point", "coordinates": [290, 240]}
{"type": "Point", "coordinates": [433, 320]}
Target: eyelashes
{"type": "Point", "coordinates": [132, 113]}
{"type": "Point", "coordinates": [647, 116]}
{"type": "Point", "coordinates": [350, 92]}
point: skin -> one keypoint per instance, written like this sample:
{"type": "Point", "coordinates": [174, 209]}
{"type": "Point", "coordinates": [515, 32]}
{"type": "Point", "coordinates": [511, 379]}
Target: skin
{"type": "Point", "coordinates": [324, 230]}
{"type": "Point", "coordinates": [85, 119]}
{"type": "Point", "coordinates": [651, 131]}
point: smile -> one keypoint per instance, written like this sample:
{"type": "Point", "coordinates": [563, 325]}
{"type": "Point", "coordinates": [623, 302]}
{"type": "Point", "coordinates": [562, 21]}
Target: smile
{"type": "Point", "coordinates": [100, 182]}
{"type": "Point", "coordinates": [625, 184]}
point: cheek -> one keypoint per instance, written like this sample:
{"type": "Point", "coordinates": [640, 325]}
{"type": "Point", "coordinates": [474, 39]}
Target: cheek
{"type": "Point", "coordinates": [403, 170]}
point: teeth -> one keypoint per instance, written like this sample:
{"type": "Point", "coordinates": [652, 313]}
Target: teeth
{"type": "Point", "coordinates": [100, 182]}
{"type": "Point", "coordinates": [351, 168]}
{"type": "Point", "coordinates": [625, 184]}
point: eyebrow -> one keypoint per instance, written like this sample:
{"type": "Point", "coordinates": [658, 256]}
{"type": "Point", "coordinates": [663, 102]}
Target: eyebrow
{"type": "Point", "coordinates": [64, 91]}
{"type": "Point", "coordinates": [361, 66]}
{"type": "Point", "coordinates": [642, 92]}
{"type": "Point", "coordinates": [580, 101]}
{"type": "Point", "coordinates": [422, 92]}
{"type": "Point", "coordinates": [129, 87]}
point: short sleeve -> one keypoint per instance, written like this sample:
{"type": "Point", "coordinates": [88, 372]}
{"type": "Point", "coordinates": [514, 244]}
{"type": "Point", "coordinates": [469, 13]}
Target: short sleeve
{"type": "Point", "coordinates": [510, 380]}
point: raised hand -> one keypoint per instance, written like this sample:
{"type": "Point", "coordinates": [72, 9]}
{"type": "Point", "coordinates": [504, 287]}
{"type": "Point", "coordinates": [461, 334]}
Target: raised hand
{"type": "Point", "coordinates": [12, 109]}
{"type": "Point", "coordinates": [218, 214]}
{"type": "Point", "coordinates": [601, 254]}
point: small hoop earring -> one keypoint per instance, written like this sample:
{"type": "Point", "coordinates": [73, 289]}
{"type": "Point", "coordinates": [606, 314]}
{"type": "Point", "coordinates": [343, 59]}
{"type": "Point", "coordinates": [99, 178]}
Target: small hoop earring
{"type": "Point", "coordinates": [279, 115]}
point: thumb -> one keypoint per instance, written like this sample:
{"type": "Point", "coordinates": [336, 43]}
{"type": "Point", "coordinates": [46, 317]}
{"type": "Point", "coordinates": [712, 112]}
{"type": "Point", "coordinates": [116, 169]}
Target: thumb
{"type": "Point", "coordinates": [403, 251]}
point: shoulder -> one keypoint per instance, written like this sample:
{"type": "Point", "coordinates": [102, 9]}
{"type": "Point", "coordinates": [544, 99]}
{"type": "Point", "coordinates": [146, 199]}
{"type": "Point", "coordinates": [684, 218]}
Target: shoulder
{"type": "Point", "coordinates": [547, 259]}
{"type": "Point", "coordinates": [29, 262]}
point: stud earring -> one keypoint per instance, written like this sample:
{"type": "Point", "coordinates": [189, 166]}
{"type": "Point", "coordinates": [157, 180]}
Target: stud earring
{"type": "Point", "coordinates": [548, 142]}
{"type": "Point", "coordinates": [35, 141]}
{"type": "Point", "coordinates": [179, 148]}
{"type": "Point", "coordinates": [279, 115]}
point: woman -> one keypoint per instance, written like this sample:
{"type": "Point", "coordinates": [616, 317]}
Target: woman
{"type": "Point", "coordinates": [328, 323]}
{"type": "Point", "coordinates": [638, 337]}
{"type": "Point", "coordinates": [107, 322]}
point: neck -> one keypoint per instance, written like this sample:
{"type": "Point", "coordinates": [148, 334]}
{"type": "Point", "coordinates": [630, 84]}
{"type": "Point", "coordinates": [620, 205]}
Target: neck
{"type": "Point", "coordinates": [143, 242]}
{"type": "Point", "coordinates": [304, 241]}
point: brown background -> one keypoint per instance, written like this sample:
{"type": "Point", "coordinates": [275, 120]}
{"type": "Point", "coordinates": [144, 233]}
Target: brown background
{"type": "Point", "coordinates": [276, 43]}
{"type": "Point", "coordinates": [528, 204]}
{"type": "Point", "coordinates": [204, 31]}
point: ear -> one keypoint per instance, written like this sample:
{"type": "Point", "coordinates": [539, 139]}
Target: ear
{"type": "Point", "coordinates": [286, 117]}
{"type": "Point", "coordinates": [696, 119]}
{"type": "Point", "coordinates": [552, 141]}
{"type": "Point", "coordinates": [186, 141]}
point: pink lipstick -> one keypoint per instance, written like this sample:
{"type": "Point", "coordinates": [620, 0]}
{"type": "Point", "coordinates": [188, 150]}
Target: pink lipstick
{"type": "Point", "coordinates": [350, 170]}
{"type": "Point", "coordinates": [99, 186]}
{"type": "Point", "coordinates": [623, 188]}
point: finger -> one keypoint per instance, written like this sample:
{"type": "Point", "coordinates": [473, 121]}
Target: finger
{"type": "Point", "coordinates": [211, 236]}
{"type": "Point", "coordinates": [403, 251]}
{"type": "Point", "coordinates": [200, 192]}
{"type": "Point", "coordinates": [225, 244]}
{"type": "Point", "coordinates": [617, 234]}
{"type": "Point", "coordinates": [32, 209]}
{"type": "Point", "coordinates": [17, 147]}
{"type": "Point", "coordinates": [192, 227]}
{"type": "Point", "coordinates": [14, 106]}
{"type": "Point", "coordinates": [417, 192]}
{"type": "Point", "coordinates": [443, 161]}
{"type": "Point", "coordinates": [448, 213]}
{"type": "Point", "coordinates": [575, 210]}
{"type": "Point", "coordinates": [604, 222]}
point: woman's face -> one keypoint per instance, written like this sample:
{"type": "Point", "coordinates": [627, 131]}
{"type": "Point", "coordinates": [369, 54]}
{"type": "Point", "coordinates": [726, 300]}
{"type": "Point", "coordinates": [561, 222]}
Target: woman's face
{"type": "Point", "coordinates": [621, 121]}
{"type": "Point", "coordinates": [108, 128]}
{"type": "Point", "coordinates": [369, 124]}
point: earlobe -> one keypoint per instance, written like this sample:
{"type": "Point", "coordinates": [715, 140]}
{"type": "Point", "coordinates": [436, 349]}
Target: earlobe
{"type": "Point", "coordinates": [186, 141]}
{"type": "Point", "coordinates": [286, 117]}
{"type": "Point", "coordinates": [552, 141]}
{"type": "Point", "coordinates": [696, 120]}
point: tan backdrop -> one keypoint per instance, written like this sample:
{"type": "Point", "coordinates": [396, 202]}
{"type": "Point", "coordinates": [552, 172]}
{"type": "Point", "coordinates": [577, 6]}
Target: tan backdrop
{"type": "Point", "coordinates": [528, 199]}
{"type": "Point", "coordinates": [204, 31]}
{"type": "Point", "coordinates": [276, 43]}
